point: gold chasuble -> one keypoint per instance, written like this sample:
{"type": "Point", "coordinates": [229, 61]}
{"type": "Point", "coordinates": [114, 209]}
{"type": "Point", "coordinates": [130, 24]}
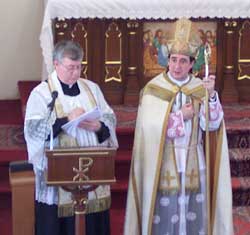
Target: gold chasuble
{"type": "Point", "coordinates": [154, 168]}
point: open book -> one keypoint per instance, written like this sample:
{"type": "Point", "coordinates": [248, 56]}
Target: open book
{"type": "Point", "coordinates": [71, 127]}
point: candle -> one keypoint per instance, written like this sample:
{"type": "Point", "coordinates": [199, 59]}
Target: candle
{"type": "Point", "coordinates": [207, 54]}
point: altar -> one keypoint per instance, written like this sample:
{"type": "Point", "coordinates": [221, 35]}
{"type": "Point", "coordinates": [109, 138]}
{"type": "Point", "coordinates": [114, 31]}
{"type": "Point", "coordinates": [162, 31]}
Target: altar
{"type": "Point", "coordinates": [113, 35]}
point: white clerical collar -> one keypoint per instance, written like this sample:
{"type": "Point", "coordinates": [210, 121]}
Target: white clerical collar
{"type": "Point", "coordinates": [54, 74]}
{"type": "Point", "coordinates": [178, 82]}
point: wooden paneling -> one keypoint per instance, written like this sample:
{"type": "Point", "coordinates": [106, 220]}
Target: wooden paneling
{"type": "Point", "coordinates": [114, 56]}
{"type": "Point", "coordinates": [243, 72]}
{"type": "Point", "coordinates": [113, 76]}
{"type": "Point", "coordinates": [133, 52]}
{"type": "Point", "coordinates": [229, 92]}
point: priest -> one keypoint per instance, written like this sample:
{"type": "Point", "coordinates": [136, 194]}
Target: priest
{"type": "Point", "coordinates": [63, 97]}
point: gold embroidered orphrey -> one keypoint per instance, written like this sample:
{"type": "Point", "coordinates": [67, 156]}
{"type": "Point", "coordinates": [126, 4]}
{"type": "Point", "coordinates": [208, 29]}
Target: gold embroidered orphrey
{"type": "Point", "coordinates": [84, 164]}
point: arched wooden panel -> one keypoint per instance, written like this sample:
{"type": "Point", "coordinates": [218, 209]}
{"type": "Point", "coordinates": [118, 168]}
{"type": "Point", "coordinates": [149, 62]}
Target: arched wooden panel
{"type": "Point", "coordinates": [113, 53]}
{"type": "Point", "coordinates": [79, 34]}
{"type": "Point", "coordinates": [112, 77]}
{"type": "Point", "coordinates": [229, 93]}
{"type": "Point", "coordinates": [244, 51]}
{"type": "Point", "coordinates": [243, 76]}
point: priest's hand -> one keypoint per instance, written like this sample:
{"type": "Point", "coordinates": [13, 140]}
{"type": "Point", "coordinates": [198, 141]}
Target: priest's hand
{"type": "Point", "coordinates": [187, 111]}
{"type": "Point", "coordinates": [75, 113]}
{"type": "Point", "coordinates": [91, 125]}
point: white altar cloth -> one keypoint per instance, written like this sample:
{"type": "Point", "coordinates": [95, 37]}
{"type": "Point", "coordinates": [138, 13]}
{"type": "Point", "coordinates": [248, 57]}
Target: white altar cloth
{"type": "Point", "coordinates": [133, 9]}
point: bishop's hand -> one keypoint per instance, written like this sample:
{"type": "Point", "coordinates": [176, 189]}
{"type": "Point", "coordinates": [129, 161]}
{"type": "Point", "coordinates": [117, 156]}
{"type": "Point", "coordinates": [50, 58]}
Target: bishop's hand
{"type": "Point", "coordinates": [187, 111]}
{"type": "Point", "coordinates": [209, 83]}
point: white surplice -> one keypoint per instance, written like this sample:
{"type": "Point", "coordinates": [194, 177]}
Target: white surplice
{"type": "Point", "coordinates": [39, 121]}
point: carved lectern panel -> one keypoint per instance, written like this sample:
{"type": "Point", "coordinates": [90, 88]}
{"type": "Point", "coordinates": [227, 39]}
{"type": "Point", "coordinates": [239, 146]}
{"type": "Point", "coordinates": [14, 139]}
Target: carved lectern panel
{"type": "Point", "coordinates": [81, 166]}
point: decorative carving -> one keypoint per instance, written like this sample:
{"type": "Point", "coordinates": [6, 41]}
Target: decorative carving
{"type": "Point", "coordinates": [229, 67]}
{"type": "Point", "coordinates": [113, 53]}
{"type": "Point", "coordinates": [80, 203]}
{"type": "Point", "coordinates": [84, 70]}
{"type": "Point", "coordinates": [80, 35]}
{"type": "Point", "coordinates": [230, 32]}
{"type": "Point", "coordinates": [84, 164]}
{"type": "Point", "coordinates": [61, 26]}
{"type": "Point", "coordinates": [244, 71]}
{"type": "Point", "coordinates": [133, 24]}
{"type": "Point", "coordinates": [113, 73]}
{"type": "Point", "coordinates": [244, 51]}
{"type": "Point", "coordinates": [230, 23]}
{"type": "Point", "coordinates": [132, 70]}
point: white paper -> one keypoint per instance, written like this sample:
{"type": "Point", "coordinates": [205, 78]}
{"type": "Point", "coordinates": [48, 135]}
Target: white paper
{"type": "Point", "coordinates": [71, 127]}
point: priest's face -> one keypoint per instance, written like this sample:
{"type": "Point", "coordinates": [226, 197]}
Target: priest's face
{"type": "Point", "coordinates": [179, 66]}
{"type": "Point", "coordinates": [68, 71]}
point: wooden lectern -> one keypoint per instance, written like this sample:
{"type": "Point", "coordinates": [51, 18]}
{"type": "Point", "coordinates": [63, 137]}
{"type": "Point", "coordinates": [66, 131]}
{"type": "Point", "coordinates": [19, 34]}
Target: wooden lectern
{"type": "Point", "coordinates": [73, 169]}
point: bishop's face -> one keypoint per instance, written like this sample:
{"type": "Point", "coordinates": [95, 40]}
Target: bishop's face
{"type": "Point", "coordinates": [68, 71]}
{"type": "Point", "coordinates": [179, 66]}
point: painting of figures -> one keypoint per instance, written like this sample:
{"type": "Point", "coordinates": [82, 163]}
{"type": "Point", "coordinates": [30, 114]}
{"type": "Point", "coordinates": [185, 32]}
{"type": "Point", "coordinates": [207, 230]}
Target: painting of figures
{"type": "Point", "coordinates": [157, 39]}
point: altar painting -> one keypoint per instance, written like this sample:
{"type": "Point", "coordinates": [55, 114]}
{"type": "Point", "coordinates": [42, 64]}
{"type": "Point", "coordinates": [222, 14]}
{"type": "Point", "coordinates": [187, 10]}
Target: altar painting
{"type": "Point", "coordinates": [157, 36]}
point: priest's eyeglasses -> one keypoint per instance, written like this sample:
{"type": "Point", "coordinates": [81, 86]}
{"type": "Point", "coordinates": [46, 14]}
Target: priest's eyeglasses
{"type": "Point", "coordinates": [72, 68]}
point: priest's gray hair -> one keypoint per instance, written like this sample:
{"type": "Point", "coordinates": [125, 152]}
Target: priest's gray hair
{"type": "Point", "coordinates": [67, 49]}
